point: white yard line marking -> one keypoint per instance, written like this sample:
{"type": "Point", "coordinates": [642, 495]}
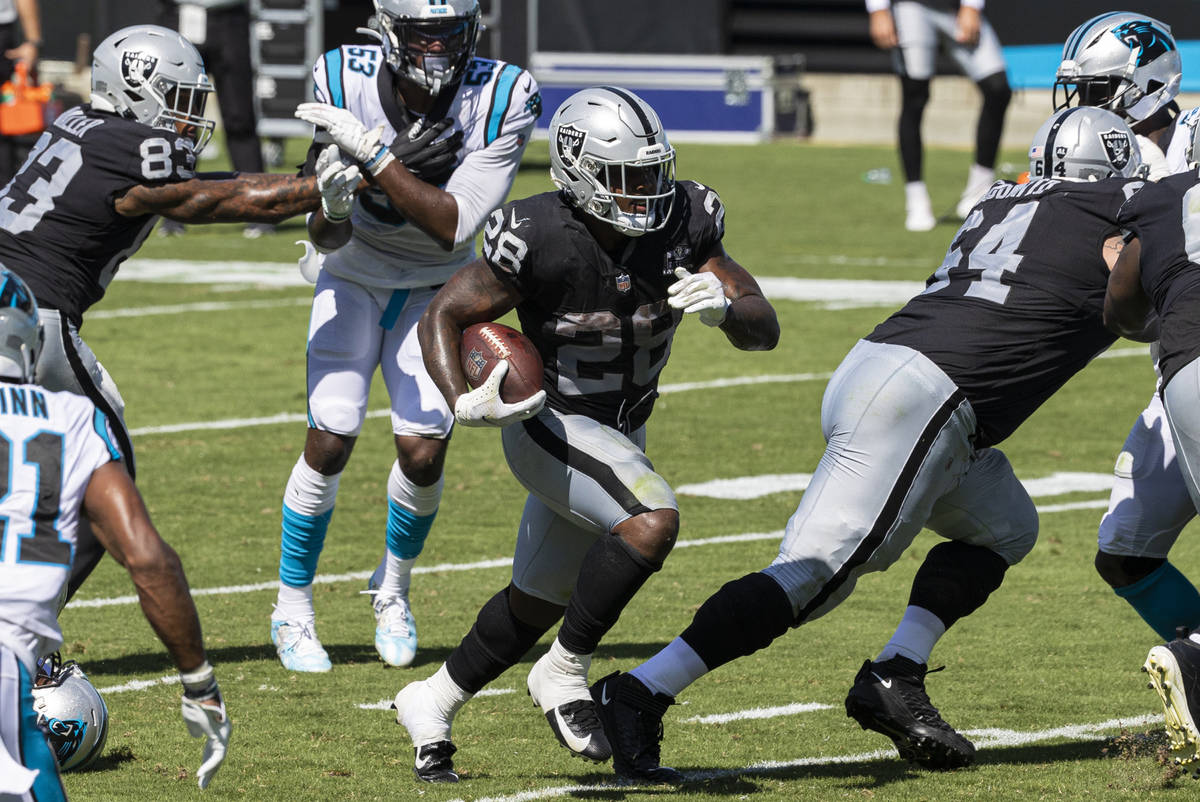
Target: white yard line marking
{"type": "Point", "coordinates": [200, 306]}
{"type": "Point", "coordinates": [757, 713]}
{"type": "Point", "coordinates": [988, 739]}
{"type": "Point", "coordinates": [751, 487]}
{"type": "Point", "coordinates": [386, 704]}
{"type": "Point", "coordinates": [181, 271]}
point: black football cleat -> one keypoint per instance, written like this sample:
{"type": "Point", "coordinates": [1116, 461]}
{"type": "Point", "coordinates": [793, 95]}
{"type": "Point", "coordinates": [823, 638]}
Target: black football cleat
{"type": "Point", "coordinates": [1174, 671]}
{"type": "Point", "coordinates": [434, 762]}
{"type": "Point", "coordinates": [889, 697]}
{"type": "Point", "coordinates": [632, 717]}
{"type": "Point", "coordinates": [568, 706]}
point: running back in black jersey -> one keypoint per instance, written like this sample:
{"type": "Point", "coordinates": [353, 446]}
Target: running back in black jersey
{"type": "Point", "coordinates": [59, 230]}
{"type": "Point", "coordinates": [1169, 264]}
{"type": "Point", "coordinates": [602, 325]}
{"type": "Point", "coordinates": [1016, 308]}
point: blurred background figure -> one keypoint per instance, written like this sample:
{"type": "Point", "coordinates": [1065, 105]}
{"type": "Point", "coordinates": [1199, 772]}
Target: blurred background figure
{"type": "Point", "coordinates": [913, 30]}
{"type": "Point", "coordinates": [20, 41]}
{"type": "Point", "coordinates": [220, 30]}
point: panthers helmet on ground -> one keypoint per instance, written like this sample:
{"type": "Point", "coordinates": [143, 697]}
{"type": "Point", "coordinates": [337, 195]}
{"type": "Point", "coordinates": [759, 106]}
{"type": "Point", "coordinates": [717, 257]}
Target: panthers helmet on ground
{"type": "Point", "coordinates": [1084, 144]}
{"type": "Point", "coordinates": [407, 28]}
{"type": "Point", "coordinates": [20, 328]}
{"type": "Point", "coordinates": [155, 76]}
{"type": "Point", "coordinates": [72, 711]}
{"type": "Point", "coordinates": [1121, 61]}
{"type": "Point", "coordinates": [608, 148]}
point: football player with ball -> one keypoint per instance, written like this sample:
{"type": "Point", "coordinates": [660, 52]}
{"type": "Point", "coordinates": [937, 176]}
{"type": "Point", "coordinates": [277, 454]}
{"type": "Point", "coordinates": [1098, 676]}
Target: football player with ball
{"type": "Point", "coordinates": [601, 273]}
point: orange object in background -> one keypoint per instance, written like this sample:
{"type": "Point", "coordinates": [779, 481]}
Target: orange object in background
{"type": "Point", "coordinates": [23, 104]}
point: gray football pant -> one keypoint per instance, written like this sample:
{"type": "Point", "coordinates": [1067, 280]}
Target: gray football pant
{"type": "Point", "coordinates": [898, 458]}
{"type": "Point", "coordinates": [1181, 397]}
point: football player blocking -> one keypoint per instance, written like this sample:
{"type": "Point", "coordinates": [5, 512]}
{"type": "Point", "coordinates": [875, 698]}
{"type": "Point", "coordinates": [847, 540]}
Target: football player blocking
{"type": "Point", "coordinates": [439, 134]}
{"type": "Point", "coordinates": [601, 273]}
{"type": "Point", "coordinates": [911, 418]}
{"type": "Point", "coordinates": [63, 463]}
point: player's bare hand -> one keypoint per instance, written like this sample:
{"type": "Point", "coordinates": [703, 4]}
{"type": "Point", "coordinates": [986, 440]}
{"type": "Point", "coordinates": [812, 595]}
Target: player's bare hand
{"type": "Point", "coordinates": [883, 29]}
{"type": "Point", "coordinates": [967, 30]}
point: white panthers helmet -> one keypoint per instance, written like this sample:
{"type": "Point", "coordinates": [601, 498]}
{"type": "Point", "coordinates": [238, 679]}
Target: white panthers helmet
{"type": "Point", "coordinates": [155, 76]}
{"type": "Point", "coordinates": [1121, 61]}
{"type": "Point", "coordinates": [1084, 144]}
{"type": "Point", "coordinates": [20, 328]}
{"type": "Point", "coordinates": [607, 146]}
{"type": "Point", "coordinates": [73, 712]}
{"type": "Point", "coordinates": [407, 28]}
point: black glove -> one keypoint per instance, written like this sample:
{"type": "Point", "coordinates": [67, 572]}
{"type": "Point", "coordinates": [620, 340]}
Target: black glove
{"type": "Point", "coordinates": [425, 156]}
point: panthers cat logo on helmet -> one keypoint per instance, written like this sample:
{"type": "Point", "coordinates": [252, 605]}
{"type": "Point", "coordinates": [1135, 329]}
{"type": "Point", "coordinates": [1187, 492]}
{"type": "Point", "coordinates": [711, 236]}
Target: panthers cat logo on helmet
{"type": "Point", "coordinates": [72, 711]}
{"type": "Point", "coordinates": [1117, 143]}
{"type": "Point", "coordinates": [137, 67]}
{"type": "Point", "coordinates": [1146, 38]}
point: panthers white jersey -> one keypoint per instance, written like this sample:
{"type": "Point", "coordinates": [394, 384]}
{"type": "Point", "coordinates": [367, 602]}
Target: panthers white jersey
{"type": "Point", "coordinates": [1181, 140]}
{"type": "Point", "coordinates": [50, 445]}
{"type": "Point", "coordinates": [495, 107]}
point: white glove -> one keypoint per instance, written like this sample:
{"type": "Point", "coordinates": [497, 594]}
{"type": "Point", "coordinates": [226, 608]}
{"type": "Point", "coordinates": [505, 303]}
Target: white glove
{"type": "Point", "coordinates": [483, 407]}
{"type": "Point", "coordinates": [699, 292]}
{"type": "Point", "coordinates": [310, 262]}
{"type": "Point", "coordinates": [337, 179]}
{"type": "Point", "coordinates": [205, 720]}
{"type": "Point", "coordinates": [348, 132]}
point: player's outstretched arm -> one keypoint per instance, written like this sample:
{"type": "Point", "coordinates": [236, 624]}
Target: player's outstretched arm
{"type": "Point", "coordinates": [1128, 311]}
{"type": "Point", "coordinates": [246, 197]}
{"type": "Point", "coordinates": [726, 295]}
{"type": "Point", "coordinates": [123, 526]}
{"type": "Point", "coordinates": [472, 295]}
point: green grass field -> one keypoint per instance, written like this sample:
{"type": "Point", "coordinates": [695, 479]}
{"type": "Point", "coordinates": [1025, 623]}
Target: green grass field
{"type": "Point", "coordinates": [1044, 678]}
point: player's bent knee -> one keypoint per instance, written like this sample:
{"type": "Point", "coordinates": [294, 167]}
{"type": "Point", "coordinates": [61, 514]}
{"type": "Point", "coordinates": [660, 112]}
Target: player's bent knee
{"type": "Point", "coordinates": [1120, 570]}
{"type": "Point", "coordinates": [651, 534]}
{"type": "Point", "coordinates": [336, 418]}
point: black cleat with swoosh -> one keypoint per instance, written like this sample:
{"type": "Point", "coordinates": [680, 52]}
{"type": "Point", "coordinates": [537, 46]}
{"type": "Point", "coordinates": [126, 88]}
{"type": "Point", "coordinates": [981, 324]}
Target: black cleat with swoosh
{"type": "Point", "coordinates": [434, 763]}
{"type": "Point", "coordinates": [889, 697]}
{"type": "Point", "coordinates": [632, 717]}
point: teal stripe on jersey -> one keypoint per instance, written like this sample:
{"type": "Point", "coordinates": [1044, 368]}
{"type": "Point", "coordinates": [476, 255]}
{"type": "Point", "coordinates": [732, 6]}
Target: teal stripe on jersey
{"type": "Point", "coordinates": [333, 77]}
{"type": "Point", "coordinates": [501, 100]}
{"type": "Point", "coordinates": [387, 321]}
{"type": "Point", "coordinates": [100, 424]}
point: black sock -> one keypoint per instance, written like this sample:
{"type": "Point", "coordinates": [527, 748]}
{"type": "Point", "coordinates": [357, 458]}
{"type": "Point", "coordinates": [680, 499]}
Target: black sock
{"type": "Point", "coordinates": [611, 573]}
{"type": "Point", "coordinates": [956, 579]}
{"type": "Point", "coordinates": [745, 615]}
{"type": "Point", "coordinates": [496, 642]}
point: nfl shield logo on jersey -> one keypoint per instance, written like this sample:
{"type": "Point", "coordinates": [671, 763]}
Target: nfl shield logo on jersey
{"type": "Point", "coordinates": [624, 282]}
{"type": "Point", "coordinates": [570, 143]}
{"type": "Point", "coordinates": [137, 67]}
{"type": "Point", "coordinates": [1116, 143]}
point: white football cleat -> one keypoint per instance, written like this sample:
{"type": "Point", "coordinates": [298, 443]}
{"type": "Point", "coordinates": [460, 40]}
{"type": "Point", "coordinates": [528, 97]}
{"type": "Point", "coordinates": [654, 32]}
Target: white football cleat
{"type": "Point", "coordinates": [298, 648]}
{"type": "Point", "coordinates": [557, 683]}
{"type": "Point", "coordinates": [918, 208]}
{"type": "Point", "coordinates": [395, 629]}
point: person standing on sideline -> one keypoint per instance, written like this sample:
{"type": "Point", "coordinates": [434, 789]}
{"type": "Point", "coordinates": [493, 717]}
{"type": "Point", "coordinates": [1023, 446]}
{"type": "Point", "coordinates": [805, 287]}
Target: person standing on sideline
{"type": "Point", "coordinates": [20, 43]}
{"type": "Point", "coordinates": [914, 30]}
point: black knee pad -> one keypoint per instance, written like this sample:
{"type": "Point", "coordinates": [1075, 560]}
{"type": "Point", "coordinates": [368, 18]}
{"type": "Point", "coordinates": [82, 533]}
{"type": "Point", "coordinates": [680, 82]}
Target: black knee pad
{"type": "Point", "coordinates": [1120, 571]}
{"type": "Point", "coordinates": [956, 579]}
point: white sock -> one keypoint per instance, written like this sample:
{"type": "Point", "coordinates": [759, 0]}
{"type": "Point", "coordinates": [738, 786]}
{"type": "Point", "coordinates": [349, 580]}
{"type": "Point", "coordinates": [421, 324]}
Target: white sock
{"type": "Point", "coordinates": [445, 692]}
{"type": "Point", "coordinates": [396, 576]}
{"type": "Point", "coordinates": [674, 668]}
{"type": "Point", "coordinates": [420, 500]}
{"type": "Point", "coordinates": [294, 604]}
{"type": "Point", "coordinates": [567, 661]}
{"type": "Point", "coordinates": [918, 633]}
{"type": "Point", "coordinates": [308, 491]}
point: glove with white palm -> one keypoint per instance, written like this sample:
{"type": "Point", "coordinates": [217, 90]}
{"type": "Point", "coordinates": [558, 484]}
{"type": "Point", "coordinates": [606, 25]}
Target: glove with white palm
{"type": "Point", "coordinates": [699, 292]}
{"type": "Point", "coordinates": [483, 406]}
{"type": "Point", "coordinates": [204, 714]}
{"type": "Point", "coordinates": [349, 134]}
{"type": "Point", "coordinates": [337, 179]}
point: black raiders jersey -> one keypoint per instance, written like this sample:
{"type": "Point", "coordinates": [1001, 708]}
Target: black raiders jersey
{"type": "Point", "coordinates": [1170, 236]}
{"type": "Point", "coordinates": [601, 324]}
{"type": "Point", "coordinates": [1016, 309]}
{"type": "Point", "coordinates": [59, 230]}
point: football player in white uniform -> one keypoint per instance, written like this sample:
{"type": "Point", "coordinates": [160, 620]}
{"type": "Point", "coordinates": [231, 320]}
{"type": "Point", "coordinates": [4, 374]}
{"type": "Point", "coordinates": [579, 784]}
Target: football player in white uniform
{"type": "Point", "coordinates": [61, 461]}
{"type": "Point", "coordinates": [440, 133]}
{"type": "Point", "coordinates": [1129, 63]}
{"type": "Point", "coordinates": [912, 31]}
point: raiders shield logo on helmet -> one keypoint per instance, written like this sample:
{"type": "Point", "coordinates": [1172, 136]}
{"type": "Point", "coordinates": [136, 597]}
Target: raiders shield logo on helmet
{"type": "Point", "coordinates": [1116, 144]}
{"type": "Point", "coordinates": [570, 143]}
{"type": "Point", "coordinates": [137, 67]}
